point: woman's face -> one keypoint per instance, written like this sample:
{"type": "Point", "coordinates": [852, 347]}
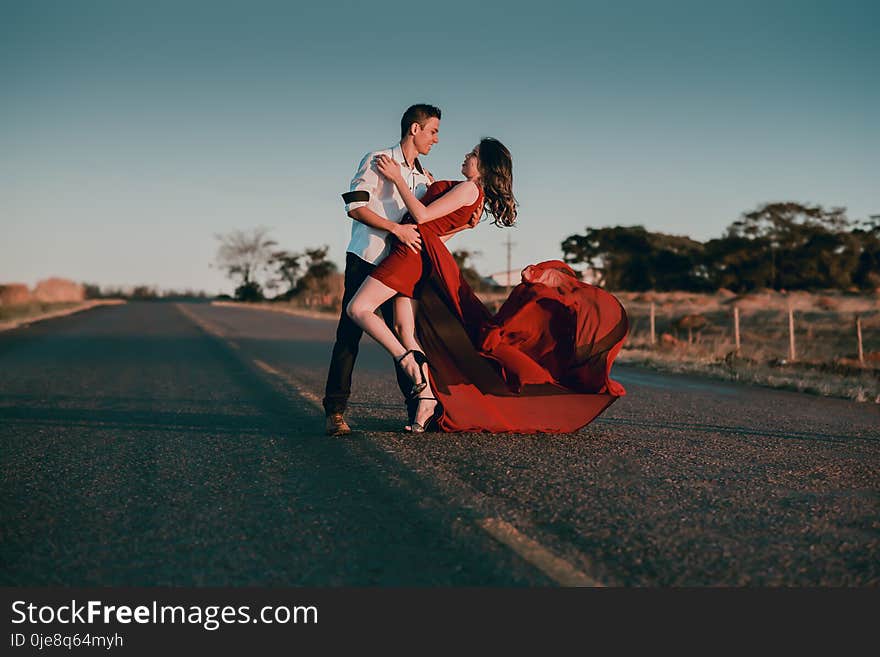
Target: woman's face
{"type": "Point", "coordinates": [470, 168]}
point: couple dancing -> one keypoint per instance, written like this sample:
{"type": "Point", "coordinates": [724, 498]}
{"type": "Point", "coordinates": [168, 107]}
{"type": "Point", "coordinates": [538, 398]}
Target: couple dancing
{"type": "Point", "coordinates": [541, 364]}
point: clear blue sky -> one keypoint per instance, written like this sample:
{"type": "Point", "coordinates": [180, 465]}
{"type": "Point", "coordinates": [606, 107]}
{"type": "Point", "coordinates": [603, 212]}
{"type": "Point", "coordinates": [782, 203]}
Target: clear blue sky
{"type": "Point", "coordinates": [132, 132]}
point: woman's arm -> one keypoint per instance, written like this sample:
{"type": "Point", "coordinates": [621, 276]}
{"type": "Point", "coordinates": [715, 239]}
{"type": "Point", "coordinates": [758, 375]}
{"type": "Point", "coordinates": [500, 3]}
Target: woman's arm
{"type": "Point", "coordinates": [462, 194]}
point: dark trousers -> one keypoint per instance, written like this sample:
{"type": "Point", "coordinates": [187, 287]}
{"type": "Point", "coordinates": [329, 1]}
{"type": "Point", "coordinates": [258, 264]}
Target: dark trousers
{"type": "Point", "coordinates": [348, 338]}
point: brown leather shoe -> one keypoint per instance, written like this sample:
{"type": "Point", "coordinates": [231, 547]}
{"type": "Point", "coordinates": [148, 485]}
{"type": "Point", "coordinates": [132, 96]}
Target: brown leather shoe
{"type": "Point", "coordinates": [336, 425]}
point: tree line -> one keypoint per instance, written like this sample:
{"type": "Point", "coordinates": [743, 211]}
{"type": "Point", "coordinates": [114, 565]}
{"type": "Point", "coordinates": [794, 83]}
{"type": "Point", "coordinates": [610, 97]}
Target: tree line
{"type": "Point", "coordinates": [259, 268]}
{"type": "Point", "coordinates": [781, 246]}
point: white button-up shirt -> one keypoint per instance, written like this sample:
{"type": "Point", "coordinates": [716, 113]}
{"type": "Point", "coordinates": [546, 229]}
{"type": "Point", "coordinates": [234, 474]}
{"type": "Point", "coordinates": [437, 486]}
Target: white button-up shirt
{"type": "Point", "coordinates": [372, 190]}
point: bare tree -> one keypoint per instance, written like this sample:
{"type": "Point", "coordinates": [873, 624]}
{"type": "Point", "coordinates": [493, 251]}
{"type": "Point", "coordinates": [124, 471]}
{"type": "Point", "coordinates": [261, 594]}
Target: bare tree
{"type": "Point", "coordinates": [287, 266]}
{"type": "Point", "coordinates": [245, 256]}
{"type": "Point", "coordinates": [464, 258]}
{"type": "Point", "coordinates": [317, 282]}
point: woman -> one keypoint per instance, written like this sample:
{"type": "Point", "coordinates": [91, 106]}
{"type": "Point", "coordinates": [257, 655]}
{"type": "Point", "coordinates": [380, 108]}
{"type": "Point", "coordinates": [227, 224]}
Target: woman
{"type": "Point", "coordinates": [525, 380]}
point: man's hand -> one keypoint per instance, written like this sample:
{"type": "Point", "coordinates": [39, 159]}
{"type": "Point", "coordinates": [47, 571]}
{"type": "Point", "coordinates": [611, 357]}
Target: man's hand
{"type": "Point", "coordinates": [409, 235]}
{"type": "Point", "coordinates": [475, 217]}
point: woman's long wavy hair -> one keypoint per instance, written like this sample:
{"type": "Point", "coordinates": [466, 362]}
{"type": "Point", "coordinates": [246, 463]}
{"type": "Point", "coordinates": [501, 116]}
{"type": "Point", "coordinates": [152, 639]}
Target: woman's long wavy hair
{"type": "Point", "coordinates": [496, 178]}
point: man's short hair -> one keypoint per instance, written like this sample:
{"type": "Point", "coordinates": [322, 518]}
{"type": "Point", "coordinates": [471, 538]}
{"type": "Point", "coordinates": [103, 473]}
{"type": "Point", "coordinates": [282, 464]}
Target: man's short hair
{"type": "Point", "coordinates": [417, 114]}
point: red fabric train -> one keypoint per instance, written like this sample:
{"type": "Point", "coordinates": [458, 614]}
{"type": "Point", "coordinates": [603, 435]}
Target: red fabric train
{"type": "Point", "coordinates": [541, 364]}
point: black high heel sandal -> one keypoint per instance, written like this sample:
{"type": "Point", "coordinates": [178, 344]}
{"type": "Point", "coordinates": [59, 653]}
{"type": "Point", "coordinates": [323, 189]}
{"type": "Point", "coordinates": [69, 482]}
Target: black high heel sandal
{"type": "Point", "coordinates": [431, 422]}
{"type": "Point", "coordinates": [422, 382]}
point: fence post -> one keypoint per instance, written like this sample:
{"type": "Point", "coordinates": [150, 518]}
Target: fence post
{"type": "Point", "coordinates": [736, 327]}
{"type": "Point", "coordinates": [792, 354]}
{"type": "Point", "coordinates": [859, 336]}
{"type": "Point", "coordinates": [653, 334]}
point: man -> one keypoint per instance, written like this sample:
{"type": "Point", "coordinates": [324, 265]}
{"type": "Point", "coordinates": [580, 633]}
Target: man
{"type": "Point", "coordinates": [376, 207]}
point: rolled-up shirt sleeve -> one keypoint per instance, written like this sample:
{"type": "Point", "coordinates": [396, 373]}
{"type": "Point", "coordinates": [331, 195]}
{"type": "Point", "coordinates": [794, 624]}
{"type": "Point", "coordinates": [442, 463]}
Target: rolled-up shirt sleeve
{"type": "Point", "coordinates": [363, 185]}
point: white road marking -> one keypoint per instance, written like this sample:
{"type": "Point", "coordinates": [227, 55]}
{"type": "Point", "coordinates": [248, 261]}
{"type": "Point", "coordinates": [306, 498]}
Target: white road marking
{"type": "Point", "coordinates": [556, 568]}
{"type": "Point", "coordinates": [206, 326]}
{"type": "Point", "coordinates": [301, 390]}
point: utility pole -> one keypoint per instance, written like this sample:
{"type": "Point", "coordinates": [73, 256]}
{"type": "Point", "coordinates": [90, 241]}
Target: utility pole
{"type": "Point", "coordinates": [509, 244]}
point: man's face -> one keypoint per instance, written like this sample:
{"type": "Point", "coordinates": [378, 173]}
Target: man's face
{"type": "Point", "coordinates": [426, 136]}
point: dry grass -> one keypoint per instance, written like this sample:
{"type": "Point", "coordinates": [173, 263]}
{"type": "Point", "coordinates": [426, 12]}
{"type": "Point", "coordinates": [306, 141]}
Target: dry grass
{"type": "Point", "coordinates": [826, 348]}
{"type": "Point", "coordinates": [861, 385]}
{"type": "Point", "coordinates": [33, 309]}
{"type": "Point", "coordinates": [14, 316]}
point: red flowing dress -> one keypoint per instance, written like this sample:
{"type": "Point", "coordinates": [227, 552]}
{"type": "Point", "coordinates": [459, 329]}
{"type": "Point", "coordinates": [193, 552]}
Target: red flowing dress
{"type": "Point", "coordinates": [403, 270]}
{"type": "Point", "coordinates": [541, 364]}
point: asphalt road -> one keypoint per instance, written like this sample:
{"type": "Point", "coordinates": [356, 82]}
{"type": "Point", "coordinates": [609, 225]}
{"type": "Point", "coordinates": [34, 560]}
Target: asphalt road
{"type": "Point", "coordinates": [164, 444]}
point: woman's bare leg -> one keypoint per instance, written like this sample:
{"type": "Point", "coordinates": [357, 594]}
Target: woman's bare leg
{"type": "Point", "coordinates": [405, 324]}
{"type": "Point", "coordinates": [405, 321]}
{"type": "Point", "coordinates": [362, 310]}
